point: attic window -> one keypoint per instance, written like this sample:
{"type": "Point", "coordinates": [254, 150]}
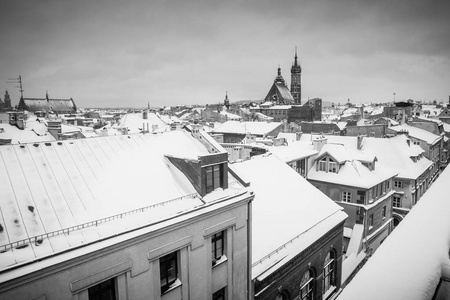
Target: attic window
{"type": "Point", "coordinates": [214, 178]}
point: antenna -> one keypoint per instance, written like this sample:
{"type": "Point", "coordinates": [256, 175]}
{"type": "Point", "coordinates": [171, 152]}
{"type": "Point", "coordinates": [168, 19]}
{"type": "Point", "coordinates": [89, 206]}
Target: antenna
{"type": "Point", "coordinates": [19, 81]}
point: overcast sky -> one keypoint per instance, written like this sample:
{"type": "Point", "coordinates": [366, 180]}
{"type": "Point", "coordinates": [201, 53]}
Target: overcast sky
{"type": "Point", "coordinates": [174, 52]}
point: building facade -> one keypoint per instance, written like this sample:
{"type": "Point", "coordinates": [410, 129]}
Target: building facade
{"type": "Point", "coordinates": [156, 216]}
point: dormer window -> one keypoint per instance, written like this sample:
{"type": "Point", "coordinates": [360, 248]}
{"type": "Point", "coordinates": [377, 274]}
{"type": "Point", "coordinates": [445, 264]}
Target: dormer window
{"type": "Point", "coordinates": [323, 164]}
{"type": "Point", "coordinates": [333, 167]}
{"type": "Point", "coordinates": [214, 179]}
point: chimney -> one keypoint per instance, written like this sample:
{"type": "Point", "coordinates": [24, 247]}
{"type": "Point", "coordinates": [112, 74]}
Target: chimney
{"type": "Point", "coordinates": [54, 128]}
{"type": "Point", "coordinates": [318, 143]}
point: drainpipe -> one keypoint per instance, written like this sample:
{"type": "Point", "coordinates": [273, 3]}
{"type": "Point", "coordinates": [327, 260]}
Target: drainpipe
{"type": "Point", "coordinates": [250, 291]}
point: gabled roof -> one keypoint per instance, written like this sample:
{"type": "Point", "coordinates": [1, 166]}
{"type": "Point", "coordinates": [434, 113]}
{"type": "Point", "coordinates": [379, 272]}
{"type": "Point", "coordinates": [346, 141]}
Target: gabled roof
{"type": "Point", "coordinates": [286, 208]}
{"type": "Point", "coordinates": [352, 171]}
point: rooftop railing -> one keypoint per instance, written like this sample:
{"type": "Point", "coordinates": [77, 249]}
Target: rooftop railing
{"type": "Point", "coordinates": [38, 239]}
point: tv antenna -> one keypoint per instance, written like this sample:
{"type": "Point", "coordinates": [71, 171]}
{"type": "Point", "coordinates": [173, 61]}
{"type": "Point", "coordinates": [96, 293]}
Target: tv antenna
{"type": "Point", "coordinates": [19, 81]}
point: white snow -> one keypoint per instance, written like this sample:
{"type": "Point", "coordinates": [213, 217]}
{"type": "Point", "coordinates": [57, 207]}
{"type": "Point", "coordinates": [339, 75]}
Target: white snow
{"type": "Point", "coordinates": [46, 188]}
{"type": "Point", "coordinates": [409, 263]}
{"type": "Point", "coordinates": [258, 128]}
{"type": "Point", "coordinates": [286, 206]}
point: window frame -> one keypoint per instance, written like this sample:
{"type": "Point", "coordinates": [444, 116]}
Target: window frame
{"type": "Point", "coordinates": [398, 184]}
{"type": "Point", "coordinates": [346, 197]}
{"type": "Point", "coordinates": [323, 164]}
{"type": "Point", "coordinates": [218, 236]}
{"type": "Point", "coordinates": [308, 285]}
{"type": "Point", "coordinates": [166, 261]}
{"type": "Point", "coordinates": [370, 221]}
{"type": "Point", "coordinates": [220, 294]}
{"type": "Point", "coordinates": [213, 177]}
{"type": "Point", "coordinates": [96, 292]}
{"type": "Point", "coordinates": [329, 272]}
{"type": "Point", "coordinates": [397, 201]}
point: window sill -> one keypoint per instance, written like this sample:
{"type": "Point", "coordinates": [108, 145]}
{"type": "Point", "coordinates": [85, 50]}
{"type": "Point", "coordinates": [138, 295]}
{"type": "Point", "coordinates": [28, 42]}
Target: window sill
{"type": "Point", "coordinates": [173, 286]}
{"type": "Point", "coordinates": [329, 292]}
{"type": "Point", "coordinates": [220, 261]}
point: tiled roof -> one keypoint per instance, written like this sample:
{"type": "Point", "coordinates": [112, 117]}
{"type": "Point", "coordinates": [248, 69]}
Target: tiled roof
{"type": "Point", "coordinates": [56, 105]}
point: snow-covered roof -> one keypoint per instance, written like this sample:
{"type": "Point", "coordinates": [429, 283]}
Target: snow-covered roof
{"type": "Point", "coordinates": [259, 128]}
{"type": "Point", "coordinates": [352, 171]}
{"type": "Point", "coordinates": [417, 133]}
{"type": "Point", "coordinates": [285, 208]}
{"type": "Point", "coordinates": [396, 153]}
{"type": "Point", "coordinates": [135, 121]}
{"type": "Point", "coordinates": [281, 107]}
{"type": "Point", "coordinates": [35, 131]}
{"type": "Point", "coordinates": [293, 151]}
{"type": "Point", "coordinates": [411, 261]}
{"type": "Point", "coordinates": [55, 186]}
{"type": "Point", "coordinates": [230, 116]}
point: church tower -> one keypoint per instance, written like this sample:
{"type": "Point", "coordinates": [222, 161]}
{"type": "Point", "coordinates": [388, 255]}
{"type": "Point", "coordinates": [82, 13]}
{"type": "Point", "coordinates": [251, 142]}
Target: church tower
{"type": "Point", "coordinates": [296, 81]}
{"type": "Point", "coordinates": [7, 100]}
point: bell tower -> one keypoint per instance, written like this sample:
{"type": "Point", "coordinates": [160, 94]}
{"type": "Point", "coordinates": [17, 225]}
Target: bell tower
{"type": "Point", "coordinates": [296, 80]}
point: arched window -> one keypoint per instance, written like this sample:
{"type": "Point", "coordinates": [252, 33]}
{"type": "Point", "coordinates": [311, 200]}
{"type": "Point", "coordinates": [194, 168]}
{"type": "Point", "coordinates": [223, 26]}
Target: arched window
{"type": "Point", "coordinates": [307, 286]}
{"type": "Point", "coordinates": [329, 271]}
{"type": "Point", "coordinates": [283, 295]}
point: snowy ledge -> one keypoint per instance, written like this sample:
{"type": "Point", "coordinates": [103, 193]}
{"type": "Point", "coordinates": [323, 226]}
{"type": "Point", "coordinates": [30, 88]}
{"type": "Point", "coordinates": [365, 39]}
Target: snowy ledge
{"type": "Point", "coordinates": [413, 259]}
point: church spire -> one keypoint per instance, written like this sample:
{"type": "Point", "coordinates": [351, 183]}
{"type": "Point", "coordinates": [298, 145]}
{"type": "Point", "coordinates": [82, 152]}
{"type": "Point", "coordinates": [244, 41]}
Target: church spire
{"type": "Point", "coordinates": [296, 84]}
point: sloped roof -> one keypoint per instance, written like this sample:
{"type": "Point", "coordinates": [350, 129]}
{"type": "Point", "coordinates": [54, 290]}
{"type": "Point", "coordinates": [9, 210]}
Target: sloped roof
{"type": "Point", "coordinates": [395, 152]}
{"type": "Point", "coordinates": [35, 131]}
{"type": "Point", "coordinates": [53, 186]}
{"type": "Point", "coordinates": [286, 208]}
{"type": "Point", "coordinates": [293, 151]}
{"type": "Point", "coordinates": [135, 121]}
{"type": "Point", "coordinates": [259, 128]}
{"type": "Point", "coordinates": [352, 172]}
{"type": "Point", "coordinates": [56, 105]}
{"type": "Point", "coordinates": [417, 133]}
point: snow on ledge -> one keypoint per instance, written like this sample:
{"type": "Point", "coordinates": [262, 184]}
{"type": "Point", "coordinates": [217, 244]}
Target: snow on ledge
{"type": "Point", "coordinates": [409, 264]}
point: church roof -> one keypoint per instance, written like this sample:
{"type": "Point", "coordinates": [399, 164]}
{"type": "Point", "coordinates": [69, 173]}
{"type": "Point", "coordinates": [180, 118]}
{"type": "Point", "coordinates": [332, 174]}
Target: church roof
{"type": "Point", "coordinates": [56, 105]}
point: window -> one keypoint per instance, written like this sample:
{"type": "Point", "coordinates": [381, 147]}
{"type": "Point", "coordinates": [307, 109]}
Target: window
{"type": "Point", "coordinates": [213, 178]}
{"type": "Point", "coordinates": [361, 197]}
{"type": "Point", "coordinates": [329, 272]}
{"type": "Point", "coordinates": [307, 286]}
{"type": "Point", "coordinates": [168, 270]}
{"type": "Point", "coordinates": [397, 201]}
{"type": "Point", "coordinates": [370, 221]}
{"type": "Point", "coordinates": [103, 291]}
{"type": "Point", "coordinates": [333, 167]}
{"type": "Point", "coordinates": [217, 246]}
{"type": "Point", "coordinates": [398, 184]}
{"type": "Point", "coordinates": [383, 214]}
{"type": "Point", "coordinates": [323, 164]}
{"type": "Point", "coordinates": [219, 295]}
{"type": "Point", "coordinates": [388, 184]}
{"type": "Point", "coordinates": [283, 295]}
{"type": "Point", "coordinates": [346, 196]}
